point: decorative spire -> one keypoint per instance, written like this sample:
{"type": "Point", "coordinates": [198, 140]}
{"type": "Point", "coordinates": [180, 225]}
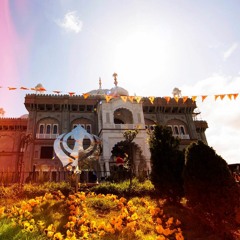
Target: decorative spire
{"type": "Point", "coordinates": [100, 83]}
{"type": "Point", "coordinates": [115, 79]}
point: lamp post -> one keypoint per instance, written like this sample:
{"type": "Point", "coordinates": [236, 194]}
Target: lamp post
{"type": "Point", "coordinates": [25, 140]}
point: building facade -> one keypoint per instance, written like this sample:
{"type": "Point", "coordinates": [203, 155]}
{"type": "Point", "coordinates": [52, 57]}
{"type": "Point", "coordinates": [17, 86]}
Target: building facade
{"type": "Point", "coordinates": [106, 113]}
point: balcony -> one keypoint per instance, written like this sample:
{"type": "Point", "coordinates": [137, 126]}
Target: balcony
{"type": "Point", "coordinates": [46, 136]}
{"type": "Point", "coordinates": [181, 136]}
{"type": "Point", "coordinates": [123, 126]}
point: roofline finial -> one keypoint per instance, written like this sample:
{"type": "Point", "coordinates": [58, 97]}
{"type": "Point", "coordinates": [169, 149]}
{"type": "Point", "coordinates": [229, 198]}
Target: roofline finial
{"type": "Point", "coordinates": [100, 83]}
{"type": "Point", "coordinates": [115, 79]}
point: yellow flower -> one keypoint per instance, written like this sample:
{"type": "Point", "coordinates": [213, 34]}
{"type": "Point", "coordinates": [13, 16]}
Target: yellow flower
{"type": "Point", "coordinates": [109, 229]}
{"type": "Point", "coordinates": [133, 209]}
{"type": "Point", "coordinates": [30, 228]}
{"type": "Point", "coordinates": [58, 236]}
{"type": "Point", "coordinates": [2, 209]}
{"type": "Point", "coordinates": [134, 217]}
{"type": "Point", "coordinates": [50, 230]}
{"type": "Point", "coordinates": [70, 235]}
{"type": "Point", "coordinates": [130, 203]}
{"type": "Point", "coordinates": [101, 226]}
{"type": "Point", "coordinates": [93, 226]}
{"type": "Point", "coordinates": [26, 224]}
{"type": "Point", "coordinates": [41, 225]}
{"type": "Point", "coordinates": [50, 234]}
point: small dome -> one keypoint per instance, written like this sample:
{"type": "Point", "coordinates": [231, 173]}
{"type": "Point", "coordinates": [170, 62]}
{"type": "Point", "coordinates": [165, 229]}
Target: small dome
{"type": "Point", "coordinates": [99, 92]}
{"type": "Point", "coordinates": [24, 116]}
{"type": "Point", "coordinates": [118, 91]}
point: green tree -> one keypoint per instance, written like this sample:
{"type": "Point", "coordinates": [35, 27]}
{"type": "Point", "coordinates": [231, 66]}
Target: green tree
{"type": "Point", "coordinates": [167, 163]}
{"type": "Point", "coordinates": [209, 186]}
{"type": "Point", "coordinates": [125, 150]}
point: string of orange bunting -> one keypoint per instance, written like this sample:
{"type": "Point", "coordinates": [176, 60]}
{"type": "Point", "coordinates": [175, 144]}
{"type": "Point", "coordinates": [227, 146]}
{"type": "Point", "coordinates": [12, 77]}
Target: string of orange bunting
{"type": "Point", "coordinates": [131, 98]}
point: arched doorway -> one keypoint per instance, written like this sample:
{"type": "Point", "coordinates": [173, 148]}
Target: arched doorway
{"type": "Point", "coordinates": [126, 157]}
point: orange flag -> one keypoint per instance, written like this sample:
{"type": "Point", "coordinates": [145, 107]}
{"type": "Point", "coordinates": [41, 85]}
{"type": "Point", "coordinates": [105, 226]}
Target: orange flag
{"type": "Point", "coordinates": [131, 98]}
{"type": "Point", "coordinates": [56, 91]}
{"type": "Point", "coordinates": [204, 97]}
{"type": "Point", "coordinates": [124, 98]}
{"type": "Point", "coordinates": [185, 98]}
{"type": "Point", "coordinates": [12, 88]}
{"type": "Point", "coordinates": [167, 99]}
{"type": "Point", "coordinates": [86, 95]}
{"type": "Point", "coordinates": [108, 98]}
{"type": "Point", "coordinates": [138, 99]}
{"type": "Point", "coordinates": [151, 99]}
{"type": "Point", "coordinates": [34, 89]}
{"type": "Point", "coordinates": [71, 93]}
{"type": "Point", "coordinates": [235, 95]}
{"type": "Point", "coordinates": [23, 88]}
{"type": "Point", "coordinates": [230, 96]}
{"type": "Point", "coordinates": [194, 98]}
{"type": "Point", "coordinates": [176, 98]}
{"type": "Point", "coordinates": [41, 89]}
{"type": "Point", "coordinates": [216, 97]}
{"type": "Point", "coordinates": [222, 96]}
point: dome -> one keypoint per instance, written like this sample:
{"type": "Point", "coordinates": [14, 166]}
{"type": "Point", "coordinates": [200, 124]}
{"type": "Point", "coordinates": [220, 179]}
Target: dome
{"type": "Point", "coordinates": [98, 92]}
{"type": "Point", "coordinates": [24, 116]}
{"type": "Point", "coordinates": [118, 91]}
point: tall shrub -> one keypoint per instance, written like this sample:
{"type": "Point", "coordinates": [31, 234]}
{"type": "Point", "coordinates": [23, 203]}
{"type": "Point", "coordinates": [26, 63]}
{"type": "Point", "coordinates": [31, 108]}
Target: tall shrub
{"type": "Point", "coordinates": [167, 162]}
{"type": "Point", "coordinates": [209, 185]}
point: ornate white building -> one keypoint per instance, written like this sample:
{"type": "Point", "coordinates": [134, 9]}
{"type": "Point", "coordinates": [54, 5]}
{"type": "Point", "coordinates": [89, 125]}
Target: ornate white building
{"type": "Point", "coordinates": [106, 113]}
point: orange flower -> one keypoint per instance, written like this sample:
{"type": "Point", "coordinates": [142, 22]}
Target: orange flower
{"type": "Point", "coordinates": [101, 233]}
{"type": "Point", "coordinates": [169, 222]}
{"type": "Point", "coordinates": [159, 221]}
{"type": "Point", "coordinates": [179, 236]}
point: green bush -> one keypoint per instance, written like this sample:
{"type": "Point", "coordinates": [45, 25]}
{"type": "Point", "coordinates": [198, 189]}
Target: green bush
{"type": "Point", "coordinates": [102, 204]}
{"type": "Point", "coordinates": [167, 163]}
{"type": "Point", "coordinates": [30, 190]}
{"type": "Point", "coordinates": [33, 190]}
{"type": "Point", "coordinates": [209, 185]}
{"type": "Point", "coordinates": [122, 189]}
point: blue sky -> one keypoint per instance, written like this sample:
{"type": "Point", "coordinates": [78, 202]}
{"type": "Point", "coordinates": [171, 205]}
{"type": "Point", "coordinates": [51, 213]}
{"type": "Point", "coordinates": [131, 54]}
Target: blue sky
{"type": "Point", "coordinates": [153, 45]}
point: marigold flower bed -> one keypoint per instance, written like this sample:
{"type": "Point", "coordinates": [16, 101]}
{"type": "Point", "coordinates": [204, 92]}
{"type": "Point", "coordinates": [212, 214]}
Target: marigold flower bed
{"type": "Point", "coordinates": [91, 216]}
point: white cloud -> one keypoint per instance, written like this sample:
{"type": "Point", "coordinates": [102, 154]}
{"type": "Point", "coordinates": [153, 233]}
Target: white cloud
{"type": "Point", "coordinates": [230, 51]}
{"type": "Point", "coordinates": [71, 22]}
{"type": "Point", "coordinates": [222, 115]}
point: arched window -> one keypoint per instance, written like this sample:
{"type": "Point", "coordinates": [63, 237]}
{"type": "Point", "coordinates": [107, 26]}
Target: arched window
{"type": "Point", "coordinates": [182, 130]}
{"type": "Point", "coordinates": [89, 128]}
{"type": "Point", "coordinates": [122, 116]}
{"type": "Point", "coordinates": [55, 129]}
{"type": "Point", "coordinates": [176, 131]}
{"type": "Point", "coordinates": [41, 129]}
{"type": "Point", "coordinates": [48, 129]}
{"type": "Point", "coordinates": [170, 127]}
